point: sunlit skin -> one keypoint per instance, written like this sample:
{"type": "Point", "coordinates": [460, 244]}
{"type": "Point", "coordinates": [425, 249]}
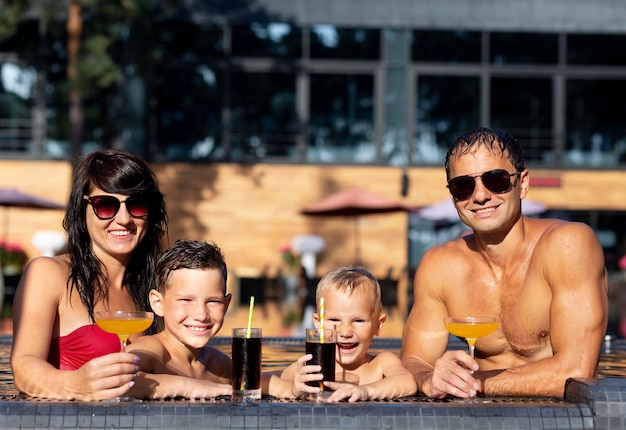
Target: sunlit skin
{"type": "Point", "coordinates": [486, 212]}
{"type": "Point", "coordinates": [351, 315]}
{"type": "Point", "coordinates": [43, 300]}
{"type": "Point", "coordinates": [380, 376]}
{"type": "Point", "coordinates": [118, 236]}
{"type": "Point", "coordinates": [544, 280]}
{"type": "Point", "coordinates": [193, 308]}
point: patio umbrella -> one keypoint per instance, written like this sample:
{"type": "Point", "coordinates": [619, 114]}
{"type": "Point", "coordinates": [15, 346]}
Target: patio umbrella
{"type": "Point", "coordinates": [445, 210]}
{"type": "Point", "coordinates": [11, 197]}
{"type": "Point", "coordinates": [354, 202]}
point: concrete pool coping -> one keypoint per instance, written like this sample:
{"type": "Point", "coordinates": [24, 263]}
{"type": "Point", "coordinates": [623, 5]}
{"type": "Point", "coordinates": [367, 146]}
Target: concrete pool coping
{"type": "Point", "coordinates": [587, 404]}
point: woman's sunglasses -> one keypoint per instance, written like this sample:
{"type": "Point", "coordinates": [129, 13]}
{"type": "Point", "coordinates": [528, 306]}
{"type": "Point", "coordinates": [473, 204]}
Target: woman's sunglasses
{"type": "Point", "coordinates": [106, 207]}
{"type": "Point", "coordinates": [497, 181]}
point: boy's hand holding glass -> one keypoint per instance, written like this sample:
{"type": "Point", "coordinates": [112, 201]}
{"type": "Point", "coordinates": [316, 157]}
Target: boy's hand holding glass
{"type": "Point", "coordinates": [307, 378]}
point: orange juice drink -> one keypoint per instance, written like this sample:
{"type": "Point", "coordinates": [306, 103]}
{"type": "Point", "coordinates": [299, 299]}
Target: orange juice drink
{"type": "Point", "coordinates": [471, 330]}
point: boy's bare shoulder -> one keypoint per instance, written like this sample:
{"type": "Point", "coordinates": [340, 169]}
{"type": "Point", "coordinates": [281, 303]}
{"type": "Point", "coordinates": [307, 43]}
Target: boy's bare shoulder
{"type": "Point", "coordinates": [389, 364]}
{"type": "Point", "coordinates": [147, 345]}
{"type": "Point", "coordinates": [217, 363]}
{"type": "Point", "coordinates": [386, 357]}
{"type": "Point", "coordinates": [211, 353]}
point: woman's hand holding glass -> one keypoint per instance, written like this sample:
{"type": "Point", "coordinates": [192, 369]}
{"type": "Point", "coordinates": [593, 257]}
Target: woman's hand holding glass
{"type": "Point", "coordinates": [123, 324]}
{"type": "Point", "coordinates": [106, 377]}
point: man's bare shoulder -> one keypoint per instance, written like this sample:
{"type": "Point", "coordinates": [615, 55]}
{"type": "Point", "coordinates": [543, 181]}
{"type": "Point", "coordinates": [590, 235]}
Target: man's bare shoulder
{"type": "Point", "coordinates": [555, 232]}
{"type": "Point", "coordinates": [566, 249]}
{"type": "Point", "coordinates": [450, 249]}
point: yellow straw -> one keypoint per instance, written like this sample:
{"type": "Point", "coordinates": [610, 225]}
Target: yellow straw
{"type": "Point", "coordinates": [250, 317]}
{"type": "Point", "coordinates": [322, 320]}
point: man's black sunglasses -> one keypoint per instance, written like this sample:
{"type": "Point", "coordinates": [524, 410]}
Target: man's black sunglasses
{"type": "Point", "coordinates": [106, 207]}
{"type": "Point", "coordinates": [497, 181]}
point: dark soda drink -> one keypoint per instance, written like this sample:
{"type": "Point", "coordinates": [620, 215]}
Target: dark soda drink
{"type": "Point", "coordinates": [324, 355]}
{"type": "Point", "coordinates": [246, 354]}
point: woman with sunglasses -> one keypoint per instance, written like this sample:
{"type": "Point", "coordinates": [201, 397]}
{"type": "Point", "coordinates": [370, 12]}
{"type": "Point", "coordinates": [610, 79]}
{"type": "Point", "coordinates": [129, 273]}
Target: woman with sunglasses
{"type": "Point", "coordinates": [115, 221]}
{"type": "Point", "coordinates": [544, 280]}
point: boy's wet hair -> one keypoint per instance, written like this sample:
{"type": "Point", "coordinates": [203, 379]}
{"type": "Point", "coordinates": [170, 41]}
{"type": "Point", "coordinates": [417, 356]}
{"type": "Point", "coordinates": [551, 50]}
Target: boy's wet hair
{"type": "Point", "coordinates": [349, 279]}
{"type": "Point", "coordinates": [496, 141]}
{"type": "Point", "coordinates": [190, 254]}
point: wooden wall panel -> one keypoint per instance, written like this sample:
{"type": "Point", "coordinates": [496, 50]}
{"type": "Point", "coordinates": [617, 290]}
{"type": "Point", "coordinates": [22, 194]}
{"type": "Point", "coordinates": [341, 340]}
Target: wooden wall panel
{"type": "Point", "coordinates": [251, 210]}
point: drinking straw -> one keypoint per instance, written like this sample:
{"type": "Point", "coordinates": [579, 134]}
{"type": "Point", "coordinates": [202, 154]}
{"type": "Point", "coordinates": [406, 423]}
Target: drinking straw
{"type": "Point", "coordinates": [322, 320]}
{"type": "Point", "coordinates": [250, 317]}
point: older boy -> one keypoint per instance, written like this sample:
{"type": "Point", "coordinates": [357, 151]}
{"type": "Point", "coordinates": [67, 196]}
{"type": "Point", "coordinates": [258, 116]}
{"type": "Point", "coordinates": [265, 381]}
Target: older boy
{"type": "Point", "coordinates": [191, 298]}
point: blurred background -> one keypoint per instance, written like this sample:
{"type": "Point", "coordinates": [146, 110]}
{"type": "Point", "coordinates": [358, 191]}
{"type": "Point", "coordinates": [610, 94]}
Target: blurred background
{"type": "Point", "coordinates": [300, 135]}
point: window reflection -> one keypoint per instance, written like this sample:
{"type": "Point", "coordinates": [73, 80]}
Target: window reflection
{"type": "Point", "coordinates": [189, 113]}
{"type": "Point", "coordinates": [191, 42]}
{"type": "Point", "coordinates": [342, 119]}
{"type": "Point", "coordinates": [446, 106]}
{"type": "Point", "coordinates": [599, 49]}
{"type": "Point", "coordinates": [446, 46]}
{"type": "Point", "coordinates": [595, 124]}
{"type": "Point", "coordinates": [275, 40]}
{"type": "Point", "coordinates": [16, 93]}
{"type": "Point", "coordinates": [523, 48]}
{"type": "Point", "coordinates": [263, 116]}
{"type": "Point", "coordinates": [523, 107]}
{"type": "Point", "coordinates": [328, 41]}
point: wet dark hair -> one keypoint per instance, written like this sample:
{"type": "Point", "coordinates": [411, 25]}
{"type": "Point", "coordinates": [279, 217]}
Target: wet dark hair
{"type": "Point", "coordinates": [496, 141]}
{"type": "Point", "coordinates": [190, 254]}
{"type": "Point", "coordinates": [114, 171]}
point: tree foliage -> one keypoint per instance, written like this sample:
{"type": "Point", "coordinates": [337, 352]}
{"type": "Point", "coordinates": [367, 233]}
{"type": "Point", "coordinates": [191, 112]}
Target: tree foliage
{"type": "Point", "coordinates": [12, 13]}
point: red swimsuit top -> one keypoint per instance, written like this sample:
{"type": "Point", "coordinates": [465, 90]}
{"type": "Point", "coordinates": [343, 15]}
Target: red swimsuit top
{"type": "Point", "coordinates": [72, 351]}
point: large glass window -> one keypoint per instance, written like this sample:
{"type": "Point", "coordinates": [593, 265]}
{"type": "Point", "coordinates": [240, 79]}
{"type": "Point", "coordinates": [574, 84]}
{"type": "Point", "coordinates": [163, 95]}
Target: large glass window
{"type": "Point", "coordinates": [16, 96]}
{"type": "Point", "coordinates": [263, 116]}
{"type": "Point", "coordinates": [446, 106]}
{"type": "Point", "coordinates": [342, 119]}
{"type": "Point", "coordinates": [328, 41]}
{"type": "Point", "coordinates": [189, 113]}
{"type": "Point", "coordinates": [189, 42]}
{"type": "Point", "coordinates": [523, 107]}
{"type": "Point", "coordinates": [524, 48]}
{"type": "Point", "coordinates": [596, 131]}
{"type": "Point", "coordinates": [275, 40]}
{"type": "Point", "coordinates": [446, 46]}
{"type": "Point", "coordinates": [598, 49]}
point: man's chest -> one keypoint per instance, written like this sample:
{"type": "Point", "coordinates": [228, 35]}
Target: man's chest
{"type": "Point", "coordinates": [521, 305]}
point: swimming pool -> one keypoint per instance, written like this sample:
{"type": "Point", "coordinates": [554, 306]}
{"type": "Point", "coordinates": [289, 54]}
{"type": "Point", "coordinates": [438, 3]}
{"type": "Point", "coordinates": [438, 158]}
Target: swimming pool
{"type": "Point", "coordinates": [588, 404]}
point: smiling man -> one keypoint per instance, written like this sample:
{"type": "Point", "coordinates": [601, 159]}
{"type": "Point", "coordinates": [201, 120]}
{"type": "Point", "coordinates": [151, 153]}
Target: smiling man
{"type": "Point", "coordinates": [544, 280]}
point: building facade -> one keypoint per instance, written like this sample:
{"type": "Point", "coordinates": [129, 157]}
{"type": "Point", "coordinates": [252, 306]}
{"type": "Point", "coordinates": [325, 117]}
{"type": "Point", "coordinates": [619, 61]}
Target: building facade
{"type": "Point", "coordinates": [300, 90]}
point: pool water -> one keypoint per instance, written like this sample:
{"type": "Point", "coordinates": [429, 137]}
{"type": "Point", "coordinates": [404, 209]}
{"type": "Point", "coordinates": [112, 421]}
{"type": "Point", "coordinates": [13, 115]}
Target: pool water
{"type": "Point", "coordinates": [280, 352]}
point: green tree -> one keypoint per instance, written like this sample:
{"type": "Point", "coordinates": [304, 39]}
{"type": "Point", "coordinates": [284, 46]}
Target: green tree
{"type": "Point", "coordinates": [102, 44]}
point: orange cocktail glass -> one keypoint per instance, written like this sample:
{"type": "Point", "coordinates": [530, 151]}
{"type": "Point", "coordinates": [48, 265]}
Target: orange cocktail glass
{"type": "Point", "coordinates": [124, 323]}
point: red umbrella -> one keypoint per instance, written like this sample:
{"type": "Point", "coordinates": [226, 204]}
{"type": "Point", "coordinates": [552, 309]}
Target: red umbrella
{"type": "Point", "coordinates": [13, 197]}
{"type": "Point", "coordinates": [355, 202]}
{"type": "Point", "coordinates": [10, 197]}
